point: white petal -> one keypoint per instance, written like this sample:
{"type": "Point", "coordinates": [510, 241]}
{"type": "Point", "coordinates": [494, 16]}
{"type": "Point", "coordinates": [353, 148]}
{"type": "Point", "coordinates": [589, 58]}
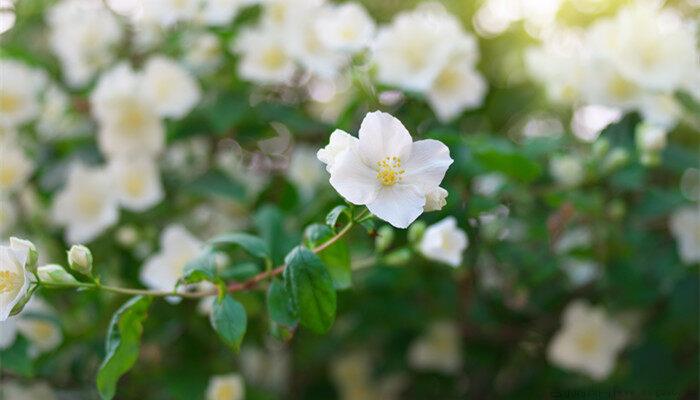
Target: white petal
{"type": "Point", "coordinates": [398, 205]}
{"type": "Point", "coordinates": [427, 164]}
{"type": "Point", "coordinates": [382, 135]}
{"type": "Point", "coordinates": [353, 179]}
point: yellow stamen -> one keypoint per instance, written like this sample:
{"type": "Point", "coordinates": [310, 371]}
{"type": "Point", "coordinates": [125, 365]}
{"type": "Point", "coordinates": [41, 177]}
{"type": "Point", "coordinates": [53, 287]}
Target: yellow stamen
{"type": "Point", "coordinates": [9, 281]}
{"type": "Point", "coordinates": [390, 171]}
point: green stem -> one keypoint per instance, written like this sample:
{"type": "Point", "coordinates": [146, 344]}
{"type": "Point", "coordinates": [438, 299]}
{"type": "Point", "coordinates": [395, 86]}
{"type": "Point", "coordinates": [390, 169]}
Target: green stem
{"type": "Point", "coordinates": [232, 287]}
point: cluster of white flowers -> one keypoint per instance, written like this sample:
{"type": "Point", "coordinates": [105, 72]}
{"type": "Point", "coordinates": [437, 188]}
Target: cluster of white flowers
{"type": "Point", "coordinates": [635, 60]}
{"type": "Point", "coordinates": [588, 341]}
{"type": "Point", "coordinates": [396, 178]}
{"type": "Point", "coordinates": [36, 323]}
{"type": "Point", "coordinates": [83, 34]}
{"type": "Point", "coordinates": [129, 108]}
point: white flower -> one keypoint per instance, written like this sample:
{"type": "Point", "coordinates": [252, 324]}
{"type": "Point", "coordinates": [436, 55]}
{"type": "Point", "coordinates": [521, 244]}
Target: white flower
{"type": "Point", "coordinates": [444, 242]}
{"type": "Point", "coordinates": [14, 278]}
{"type": "Point", "coordinates": [661, 109]}
{"type": "Point", "coordinates": [650, 137]}
{"type": "Point", "coordinates": [655, 48]}
{"type": "Point", "coordinates": [20, 87]}
{"type": "Point", "coordinates": [457, 87]}
{"type": "Point", "coordinates": [169, 88]}
{"type": "Point", "coordinates": [329, 98]}
{"type": "Point", "coordinates": [177, 247]}
{"type": "Point", "coordinates": [128, 123]}
{"type": "Point", "coordinates": [567, 170]}
{"type": "Point", "coordinates": [339, 141]}
{"type": "Point", "coordinates": [386, 171]}
{"type": "Point", "coordinates": [305, 46]}
{"type": "Point", "coordinates": [305, 171]}
{"type": "Point", "coordinates": [435, 199]}
{"type": "Point", "coordinates": [36, 324]}
{"type": "Point", "coordinates": [55, 119]}
{"type": "Point", "coordinates": [580, 272]}
{"type": "Point", "coordinates": [8, 332]}
{"type": "Point", "coordinates": [411, 52]}
{"type": "Point", "coordinates": [226, 387]}
{"type": "Point", "coordinates": [264, 57]}
{"type": "Point", "coordinates": [136, 182]}
{"type": "Point", "coordinates": [345, 27]}
{"type": "Point", "coordinates": [588, 341]}
{"type": "Point", "coordinates": [80, 259]}
{"type": "Point", "coordinates": [82, 34]}
{"type": "Point", "coordinates": [440, 349]}
{"type": "Point", "coordinates": [87, 205]}
{"type": "Point", "coordinates": [685, 227]}
{"type": "Point", "coordinates": [15, 166]}
{"type": "Point", "coordinates": [202, 52]}
{"type": "Point", "coordinates": [220, 12]}
{"type": "Point", "coordinates": [488, 184]}
{"type": "Point", "coordinates": [168, 12]}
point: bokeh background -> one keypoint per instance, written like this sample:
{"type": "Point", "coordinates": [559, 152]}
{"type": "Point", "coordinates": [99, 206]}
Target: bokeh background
{"type": "Point", "coordinates": [566, 195]}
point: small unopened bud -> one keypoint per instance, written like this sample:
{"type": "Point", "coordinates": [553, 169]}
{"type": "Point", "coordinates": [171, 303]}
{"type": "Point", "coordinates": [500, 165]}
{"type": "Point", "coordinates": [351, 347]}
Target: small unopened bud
{"type": "Point", "coordinates": [32, 254]}
{"type": "Point", "coordinates": [385, 236]}
{"type": "Point", "coordinates": [80, 259]}
{"type": "Point", "coordinates": [398, 257]}
{"type": "Point", "coordinates": [415, 231]}
{"type": "Point", "coordinates": [54, 273]}
{"type": "Point", "coordinates": [435, 199]}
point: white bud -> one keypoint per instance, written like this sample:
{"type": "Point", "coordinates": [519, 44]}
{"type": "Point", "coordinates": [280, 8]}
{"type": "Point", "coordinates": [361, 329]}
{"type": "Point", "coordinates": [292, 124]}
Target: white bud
{"type": "Point", "coordinates": [80, 259]}
{"type": "Point", "coordinates": [435, 199]}
{"type": "Point", "coordinates": [54, 273]}
{"type": "Point", "coordinates": [650, 138]}
{"type": "Point", "coordinates": [567, 170]}
{"type": "Point", "coordinates": [23, 245]}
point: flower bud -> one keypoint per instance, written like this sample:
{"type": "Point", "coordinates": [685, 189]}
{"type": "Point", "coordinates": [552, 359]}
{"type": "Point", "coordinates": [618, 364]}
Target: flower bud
{"type": "Point", "coordinates": [385, 236]}
{"type": "Point", "coordinates": [650, 138]}
{"type": "Point", "coordinates": [398, 257]}
{"type": "Point", "coordinates": [32, 255]}
{"type": "Point", "coordinates": [54, 273]}
{"type": "Point", "coordinates": [415, 231]}
{"type": "Point", "coordinates": [435, 199]}
{"type": "Point", "coordinates": [80, 259]}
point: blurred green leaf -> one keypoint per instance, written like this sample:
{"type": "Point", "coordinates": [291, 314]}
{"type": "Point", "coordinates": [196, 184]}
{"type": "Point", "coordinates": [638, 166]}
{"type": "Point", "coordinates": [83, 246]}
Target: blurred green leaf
{"type": "Point", "coordinates": [123, 342]}
{"type": "Point", "coordinates": [509, 163]}
{"type": "Point", "coordinates": [228, 318]}
{"type": "Point", "coordinates": [216, 183]}
{"type": "Point", "coordinates": [253, 245]}
{"type": "Point", "coordinates": [279, 304]}
{"type": "Point", "coordinates": [311, 289]}
{"type": "Point", "coordinates": [202, 268]}
{"type": "Point", "coordinates": [335, 213]}
{"type": "Point", "coordinates": [16, 359]}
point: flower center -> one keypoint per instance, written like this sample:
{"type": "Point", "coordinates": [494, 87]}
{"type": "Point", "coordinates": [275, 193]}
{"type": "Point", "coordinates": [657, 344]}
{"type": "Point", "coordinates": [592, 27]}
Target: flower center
{"type": "Point", "coordinates": [588, 342]}
{"type": "Point", "coordinates": [134, 185]}
{"type": "Point", "coordinates": [390, 171]}
{"type": "Point", "coordinates": [8, 176]}
{"type": "Point", "coordinates": [9, 281]}
{"type": "Point", "coordinates": [273, 58]}
{"type": "Point", "coordinates": [9, 103]}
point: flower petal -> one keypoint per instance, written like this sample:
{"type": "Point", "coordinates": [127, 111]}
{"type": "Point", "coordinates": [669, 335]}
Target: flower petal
{"type": "Point", "coordinates": [382, 135]}
{"type": "Point", "coordinates": [353, 179]}
{"type": "Point", "coordinates": [398, 205]}
{"type": "Point", "coordinates": [427, 164]}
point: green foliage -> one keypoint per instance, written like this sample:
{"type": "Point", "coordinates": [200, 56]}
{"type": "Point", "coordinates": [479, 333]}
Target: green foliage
{"type": "Point", "coordinates": [251, 244]}
{"type": "Point", "coordinates": [122, 344]}
{"type": "Point", "coordinates": [229, 320]}
{"type": "Point", "coordinates": [310, 286]}
{"type": "Point", "coordinates": [335, 257]}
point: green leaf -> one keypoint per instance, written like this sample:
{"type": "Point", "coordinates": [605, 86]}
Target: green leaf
{"type": "Point", "coordinates": [335, 213]}
{"type": "Point", "coordinates": [217, 184]}
{"type": "Point", "coordinates": [335, 257]}
{"type": "Point", "coordinates": [509, 163]}
{"type": "Point", "coordinates": [16, 358]}
{"type": "Point", "coordinates": [228, 318]}
{"type": "Point", "coordinates": [278, 304]}
{"type": "Point", "coordinates": [253, 245]}
{"type": "Point", "coordinates": [123, 341]}
{"type": "Point", "coordinates": [269, 221]}
{"type": "Point", "coordinates": [227, 111]}
{"type": "Point", "coordinates": [202, 268]}
{"type": "Point", "coordinates": [311, 289]}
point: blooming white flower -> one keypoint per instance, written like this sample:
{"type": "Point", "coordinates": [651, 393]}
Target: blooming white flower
{"type": "Point", "coordinates": [177, 247]}
{"type": "Point", "coordinates": [567, 170]}
{"type": "Point", "coordinates": [136, 182]}
{"type": "Point", "coordinates": [338, 142]}
{"type": "Point", "coordinates": [87, 205]}
{"type": "Point", "coordinates": [444, 242]}
{"type": "Point", "coordinates": [169, 88]}
{"type": "Point", "coordinates": [264, 56]}
{"type": "Point", "coordinates": [202, 52]}
{"type": "Point", "coordinates": [168, 12]}
{"type": "Point", "coordinates": [15, 166]}
{"type": "Point", "coordinates": [54, 118]}
{"type": "Point", "coordinates": [304, 44]}
{"type": "Point", "coordinates": [435, 199]}
{"type": "Point", "coordinates": [128, 123]}
{"type": "Point", "coordinates": [82, 34]}
{"type": "Point", "coordinates": [685, 227]}
{"type": "Point", "coordinates": [36, 324]}
{"type": "Point", "coordinates": [388, 172]}
{"type": "Point", "coordinates": [588, 341]}
{"type": "Point", "coordinates": [457, 87]}
{"type": "Point", "coordinates": [220, 12]}
{"type": "Point", "coordinates": [415, 47]}
{"type": "Point", "coordinates": [14, 278]}
{"type": "Point", "coordinates": [226, 387]}
{"type": "Point", "coordinates": [439, 349]}
{"type": "Point", "coordinates": [19, 92]}
{"type": "Point", "coordinates": [329, 98]}
{"type": "Point", "coordinates": [345, 27]}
